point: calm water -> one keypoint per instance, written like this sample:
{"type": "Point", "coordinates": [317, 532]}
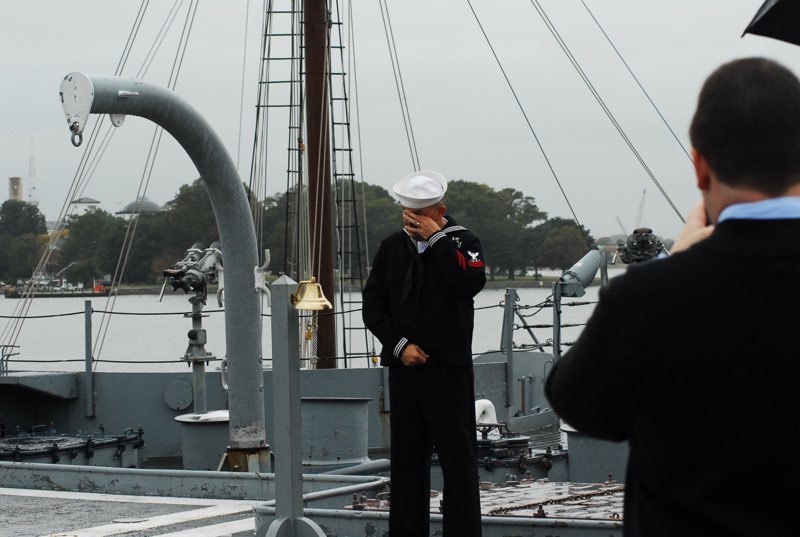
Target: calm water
{"type": "Point", "coordinates": [144, 339]}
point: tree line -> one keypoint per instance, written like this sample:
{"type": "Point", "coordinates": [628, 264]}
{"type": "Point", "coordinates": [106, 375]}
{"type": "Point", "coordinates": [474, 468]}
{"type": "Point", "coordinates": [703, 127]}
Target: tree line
{"type": "Point", "coordinates": [516, 235]}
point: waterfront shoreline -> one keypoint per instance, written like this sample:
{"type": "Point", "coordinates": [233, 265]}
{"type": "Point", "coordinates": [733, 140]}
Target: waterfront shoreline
{"type": "Point", "coordinates": [498, 283]}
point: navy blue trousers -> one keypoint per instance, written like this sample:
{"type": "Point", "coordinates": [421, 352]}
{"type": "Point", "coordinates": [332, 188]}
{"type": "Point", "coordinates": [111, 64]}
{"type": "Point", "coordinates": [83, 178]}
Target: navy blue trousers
{"type": "Point", "coordinates": [433, 407]}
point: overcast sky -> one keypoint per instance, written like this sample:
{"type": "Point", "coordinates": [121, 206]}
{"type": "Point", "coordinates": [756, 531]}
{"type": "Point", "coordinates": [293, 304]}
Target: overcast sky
{"type": "Point", "coordinates": [466, 122]}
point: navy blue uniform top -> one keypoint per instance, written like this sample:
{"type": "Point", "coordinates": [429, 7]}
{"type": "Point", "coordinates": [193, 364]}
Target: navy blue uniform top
{"type": "Point", "coordinates": [425, 298]}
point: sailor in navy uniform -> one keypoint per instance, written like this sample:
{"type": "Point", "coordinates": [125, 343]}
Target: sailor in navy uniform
{"type": "Point", "coordinates": [418, 301]}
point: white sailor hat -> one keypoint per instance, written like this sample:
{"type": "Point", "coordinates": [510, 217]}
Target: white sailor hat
{"type": "Point", "coordinates": [420, 189]}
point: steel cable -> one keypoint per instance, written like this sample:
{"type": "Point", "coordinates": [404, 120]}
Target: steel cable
{"type": "Point", "coordinates": [398, 80]}
{"type": "Point", "coordinates": [551, 27]}
{"type": "Point", "coordinates": [530, 126]}
{"type": "Point", "coordinates": [145, 181]}
{"type": "Point", "coordinates": [647, 95]}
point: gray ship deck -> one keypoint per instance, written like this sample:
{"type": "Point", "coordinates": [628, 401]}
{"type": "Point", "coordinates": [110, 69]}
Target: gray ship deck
{"type": "Point", "coordinates": [586, 508]}
{"type": "Point", "coordinates": [35, 513]}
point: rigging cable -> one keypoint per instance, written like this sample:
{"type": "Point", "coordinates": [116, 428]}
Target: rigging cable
{"type": "Point", "coordinates": [350, 251]}
{"type": "Point", "coordinates": [88, 165]}
{"type": "Point", "coordinates": [79, 178]}
{"type": "Point", "coordinates": [187, 30]}
{"type": "Point", "coordinates": [297, 257]}
{"type": "Point", "coordinates": [137, 23]}
{"type": "Point", "coordinates": [324, 140]}
{"type": "Point", "coordinates": [398, 81]}
{"type": "Point", "coordinates": [147, 173]}
{"type": "Point", "coordinates": [13, 329]}
{"type": "Point", "coordinates": [87, 171]}
{"type": "Point", "coordinates": [324, 195]}
{"type": "Point", "coordinates": [301, 256]}
{"type": "Point", "coordinates": [23, 307]}
{"type": "Point", "coordinates": [647, 95]}
{"type": "Point", "coordinates": [620, 130]}
{"type": "Point", "coordinates": [261, 133]}
{"type": "Point", "coordinates": [130, 230]}
{"type": "Point", "coordinates": [159, 39]}
{"type": "Point", "coordinates": [262, 99]}
{"type": "Point", "coordinates": [254, 191]}
{"type": "Point", "coordinates": [296, 260]}
{"type": "Point", "coordinates": [241, 95]}
{"type": "Point", "coordinates": [358, 131]}
{"type": "Point", "coordinates": [402, 84]}
{"type": "Point", "coordinates": [146, 176]}
{"type": "Point", "coordinates": [341, 168]}
{"type": "Point", "coordinates": [297, 242]}
{"type": "Point", "coordinates": [530, 126]}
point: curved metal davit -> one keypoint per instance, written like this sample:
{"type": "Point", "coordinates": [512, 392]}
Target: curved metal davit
{"type": "Point", "coordinates": [82, 95]}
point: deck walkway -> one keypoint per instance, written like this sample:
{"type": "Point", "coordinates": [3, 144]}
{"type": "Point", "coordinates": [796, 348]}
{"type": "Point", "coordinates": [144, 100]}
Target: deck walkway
{"type": "Point", "coordinates": [40, 513]}
{"type": "Point", "coordinates": [578, 509]}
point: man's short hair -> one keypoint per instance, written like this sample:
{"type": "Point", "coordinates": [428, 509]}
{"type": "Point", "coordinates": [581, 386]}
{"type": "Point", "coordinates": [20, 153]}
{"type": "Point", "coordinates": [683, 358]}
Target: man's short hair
{"type": "Point", "coordinates": [747, 125]}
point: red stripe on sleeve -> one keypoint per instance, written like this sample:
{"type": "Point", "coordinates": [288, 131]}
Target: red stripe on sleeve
{"type": "Point", "coordinates": [461, 261]}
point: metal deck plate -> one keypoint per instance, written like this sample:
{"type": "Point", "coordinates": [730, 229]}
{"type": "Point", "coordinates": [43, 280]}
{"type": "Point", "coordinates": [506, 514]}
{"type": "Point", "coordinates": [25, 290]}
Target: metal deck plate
{"type": "Point", "coordinates": [544, 499]}
{"type": "Point", "coordinates": [33, 513]}
{"type": "Point", "coordinates": [530, 498]}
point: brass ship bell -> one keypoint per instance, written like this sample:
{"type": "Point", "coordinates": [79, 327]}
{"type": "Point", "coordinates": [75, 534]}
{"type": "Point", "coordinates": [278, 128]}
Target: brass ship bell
{"type": "Point", "coordinates": [309, 296]}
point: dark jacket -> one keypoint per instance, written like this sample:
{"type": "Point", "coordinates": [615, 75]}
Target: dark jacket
{"type": "Point", "coordinates": [425, 299]}
{"type": "Point", "coordinates": [692, 360]}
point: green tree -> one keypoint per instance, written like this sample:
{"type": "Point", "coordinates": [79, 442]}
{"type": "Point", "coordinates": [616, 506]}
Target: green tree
{"type": "Point", "coordinates": [520, 214]}
{"type": "Point", "coordinates": [379, 215]}
{"type": "Point", "coordinates": [19, 217]}
{"type": "Point", "coordinates": [558, 243]}
{"type": "Point", "coordinates": [91, 247]}
{"type": "Point", "coordinates": [21, 224]}
{"type": "Point", "coordinates": [150, 242]}
{"type": "Point", "coordinates": [187, 219]}
{"type": "Point", "coordinates": [477, 206]}
{"type": "Point", "coordinates": [503, 219]}
{"type": "Point", "coordinates": [271, 230]}
{"type": "Point", "coordinates": [161, 239]}
{"type": "Point", "coordinates": [498, 218]}
{"type": "Point", "coordinates": [19, 256]}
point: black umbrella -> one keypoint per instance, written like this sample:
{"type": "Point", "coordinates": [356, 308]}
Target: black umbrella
{"type": "Point", "coordinates": [778, 19]}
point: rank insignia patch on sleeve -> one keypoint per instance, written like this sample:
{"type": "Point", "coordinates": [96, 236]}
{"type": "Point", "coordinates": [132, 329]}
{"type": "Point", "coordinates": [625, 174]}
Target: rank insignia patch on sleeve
{"type": "Point", "coordinates": [473, 259]}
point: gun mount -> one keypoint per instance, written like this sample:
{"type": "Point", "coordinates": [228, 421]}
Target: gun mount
{"type": "Point", "coordinates": [199, 267]}
{"type": "Point", "coordinates": [642, 245]}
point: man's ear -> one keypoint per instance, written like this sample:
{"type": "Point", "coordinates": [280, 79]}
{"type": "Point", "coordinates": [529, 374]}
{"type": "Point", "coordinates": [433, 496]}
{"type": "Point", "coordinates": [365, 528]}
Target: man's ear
{"type": "Point", "coordinates": [701, 170]}
{"type": "Point", "coordinates": [442, 210]}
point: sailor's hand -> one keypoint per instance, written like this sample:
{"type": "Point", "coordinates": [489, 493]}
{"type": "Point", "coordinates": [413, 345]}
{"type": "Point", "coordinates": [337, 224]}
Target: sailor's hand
{"type": "Point", "coordinates": [419, 226]}
{"type": "Point", "coordinates": [695, 229]}
{"type": "Point", "coordinates": [413, 356]}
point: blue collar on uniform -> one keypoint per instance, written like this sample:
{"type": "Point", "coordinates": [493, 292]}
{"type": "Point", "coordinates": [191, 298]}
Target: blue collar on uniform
{"type": "Point", "coordinates": [768, 209]}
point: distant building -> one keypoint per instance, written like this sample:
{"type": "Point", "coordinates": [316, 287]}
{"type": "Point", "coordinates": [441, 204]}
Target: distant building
{"type": "Point", "coordinates": [84, 204]}
{"type": "Point", "coordinates": [15, 188]}
{"type": "Point", "coordinates": [141, 205]}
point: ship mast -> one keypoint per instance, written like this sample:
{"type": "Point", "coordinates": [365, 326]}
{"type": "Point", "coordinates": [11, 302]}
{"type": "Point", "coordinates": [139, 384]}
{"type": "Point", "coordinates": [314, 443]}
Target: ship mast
{"type": "Point", "coordinates": [318, 150]}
